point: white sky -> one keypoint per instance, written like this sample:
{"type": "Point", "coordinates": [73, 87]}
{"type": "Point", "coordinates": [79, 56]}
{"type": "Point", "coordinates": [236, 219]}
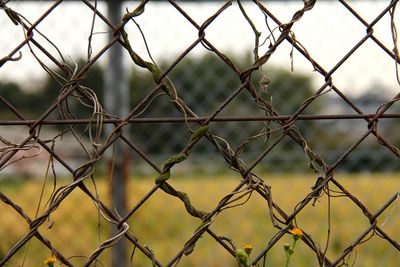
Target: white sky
{"type": "Point", "coordinates": [328, 32]}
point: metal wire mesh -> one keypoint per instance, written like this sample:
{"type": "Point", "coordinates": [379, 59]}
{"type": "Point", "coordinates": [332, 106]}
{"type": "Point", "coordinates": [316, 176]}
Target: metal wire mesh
{"type": "Point", "coordinates": [269, 130]}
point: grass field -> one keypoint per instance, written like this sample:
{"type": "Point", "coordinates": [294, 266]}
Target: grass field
{"type": "Point", "coordinates": [163, 225]}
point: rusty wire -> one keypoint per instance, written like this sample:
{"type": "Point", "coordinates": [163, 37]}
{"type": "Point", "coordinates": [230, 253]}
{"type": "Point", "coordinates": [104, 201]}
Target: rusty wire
{"type": "Point", "coordinates": [251, 182]}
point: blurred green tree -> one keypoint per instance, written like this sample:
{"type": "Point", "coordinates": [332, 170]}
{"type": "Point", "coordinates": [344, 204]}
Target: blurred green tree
{"type": "Point", "coordinates": [204, 82]}
{"type": "Point", "coordinates": [18, 98]}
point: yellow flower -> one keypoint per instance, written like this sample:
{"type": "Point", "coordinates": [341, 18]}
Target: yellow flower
{"type": "Point", "coordinates": [296, 232]}
{"type": "Point", "coordinates": [248, 248]}
{"type": "Point", "coordinates": [50, 261]}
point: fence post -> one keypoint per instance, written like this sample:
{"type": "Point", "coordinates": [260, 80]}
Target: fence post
{"type": "Point", "coordinates": [116, 97]}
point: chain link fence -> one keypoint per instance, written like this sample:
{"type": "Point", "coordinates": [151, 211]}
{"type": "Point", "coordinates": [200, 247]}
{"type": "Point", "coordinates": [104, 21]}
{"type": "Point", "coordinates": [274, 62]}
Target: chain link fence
{"type": "Point", "coordinates": [287, 105]}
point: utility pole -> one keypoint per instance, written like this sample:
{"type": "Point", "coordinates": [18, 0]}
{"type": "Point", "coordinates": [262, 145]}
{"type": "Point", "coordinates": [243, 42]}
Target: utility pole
{"type": "Point", "coordinates": [116, 97]}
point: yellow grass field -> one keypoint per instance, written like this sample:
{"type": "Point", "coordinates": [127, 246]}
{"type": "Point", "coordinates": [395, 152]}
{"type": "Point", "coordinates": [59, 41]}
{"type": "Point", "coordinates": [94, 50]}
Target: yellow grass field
{"type": "Point", "coordinates": [163, 225]}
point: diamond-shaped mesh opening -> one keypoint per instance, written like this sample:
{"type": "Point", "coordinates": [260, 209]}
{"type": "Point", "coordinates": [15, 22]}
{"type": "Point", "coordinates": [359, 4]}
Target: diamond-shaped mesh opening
{"type": "Point", "coordinates": [161, 235]}
{"type": "Point", "coordinates": [66, 232]}
{"type": "Point", "coordinates": [249, 222]}
{"type": "Point", "coordinates": [209, 91]}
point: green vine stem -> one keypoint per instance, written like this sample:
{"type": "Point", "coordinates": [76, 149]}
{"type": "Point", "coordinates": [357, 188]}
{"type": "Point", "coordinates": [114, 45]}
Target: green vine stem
{"type": "Point", "coordinates": [167, 86]}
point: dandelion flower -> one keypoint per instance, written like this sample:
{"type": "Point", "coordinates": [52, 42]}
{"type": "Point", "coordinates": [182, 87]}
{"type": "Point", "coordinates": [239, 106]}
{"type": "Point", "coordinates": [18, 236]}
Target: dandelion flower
{"type": "Point", "coordinates": [50, 261]}
{"type": "Point", "coordinates": [296, 232]}
{"type": "Point", "coordinates": [248, 248]}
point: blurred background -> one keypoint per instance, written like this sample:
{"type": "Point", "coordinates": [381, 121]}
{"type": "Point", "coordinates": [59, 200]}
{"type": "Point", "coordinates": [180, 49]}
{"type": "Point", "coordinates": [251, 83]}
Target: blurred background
{"type": "Point", "coordinates": [72, 34]}
{"type": "Point", "coordinates": [368, 78]}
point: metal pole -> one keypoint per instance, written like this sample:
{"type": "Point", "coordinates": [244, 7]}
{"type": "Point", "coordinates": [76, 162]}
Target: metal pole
{"type": "Point", "coordinates": [116, 98]}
